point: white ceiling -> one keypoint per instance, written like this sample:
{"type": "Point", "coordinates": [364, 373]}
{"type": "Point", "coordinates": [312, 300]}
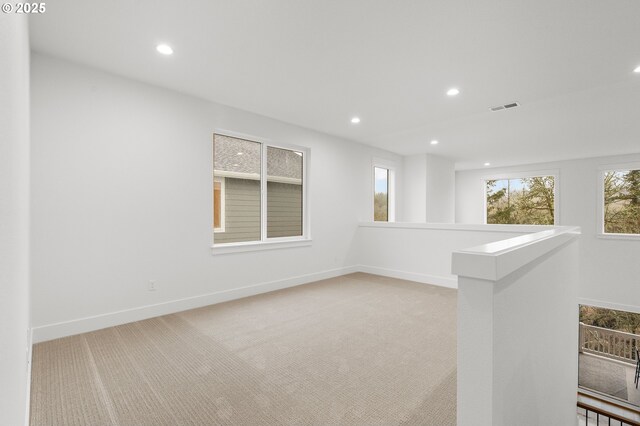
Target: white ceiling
{"type": "Point", "coordinates": [318, 63]}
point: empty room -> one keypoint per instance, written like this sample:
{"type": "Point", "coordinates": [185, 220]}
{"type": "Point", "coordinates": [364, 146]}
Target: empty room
{"type": "Point", "coordinates": [320, 213]}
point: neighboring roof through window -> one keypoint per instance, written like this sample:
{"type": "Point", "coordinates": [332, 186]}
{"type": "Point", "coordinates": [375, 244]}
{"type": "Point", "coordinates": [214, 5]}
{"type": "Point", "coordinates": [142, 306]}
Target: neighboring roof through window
{"type": "Point", "coordinates": [239, 158]}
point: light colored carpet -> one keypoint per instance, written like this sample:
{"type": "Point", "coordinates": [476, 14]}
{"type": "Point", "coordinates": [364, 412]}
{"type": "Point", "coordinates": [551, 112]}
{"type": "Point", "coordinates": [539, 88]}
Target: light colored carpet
{"type": "Point", "coordinates": [353, 350]}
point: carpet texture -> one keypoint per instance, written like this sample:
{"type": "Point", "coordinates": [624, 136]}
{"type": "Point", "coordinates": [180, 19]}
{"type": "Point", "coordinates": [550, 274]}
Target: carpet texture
{"type": "Point", "coordinates": [353, 350]}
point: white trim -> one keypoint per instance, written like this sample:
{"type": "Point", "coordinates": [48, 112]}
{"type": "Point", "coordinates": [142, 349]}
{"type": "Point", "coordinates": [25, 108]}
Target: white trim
{"type": "Point", "coordinates": [438, 280]}
{"type": "Point", "coordinates": [483, 182]}
{"type": "Point", "coordinates": [384, 162]}
{"type": "Point", "coordinates": [514, 229]}
{"type": "Point", "coordinates": [494, 261]}
{"type": "Point", "coordinates": [237, 175]}
{"type": "Point", "coordinates": [263, 193]}
{"type": "Point", "coordinates": [256, 176]}
{"type": "Point", "coordinates": [391, 167]}
{"type": "Point", "coordinates": [96, 322]}
{"type": "Point", "coordinates": [244, 136]}
{"type": "Point", "coordinates": [29, 368]}
{"type": "Point", "coordinates": [306, 205]}
{"type": "Point", "coordinates": [110, 319]}
{"type": "Point", "coordinates": [600, 201]}
{"type": "Point", "coordinates": [619, 407]}
{"type": "Point", "coordinates": [555, 173]}
{"type": "Point", "coordinates": [284, 179]}
{"type": "Point", "coordinates": [271, 244]}
{"type": "Point", "coordinates": [634, 165]}
{"type": "Point", "coordinates": [305, 238]}
{"type": "Point", "coordinates": [609, 236]}
{"type": "Point", "coordinates": [608, 305]}
{"type": "Point", "coordinates": [223, 197]}
{"type": "Point", "coordinates": [524, 174]}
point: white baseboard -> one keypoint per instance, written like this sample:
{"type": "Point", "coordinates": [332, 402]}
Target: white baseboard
{"type": "Point", "coordinates": [97, 322]}
{"type": "Point", "coordinates": [83, 325]}
{"type": "Point", "coordinates": [29, 368]}
{"type": "Point", "coordinates": [439, 280]}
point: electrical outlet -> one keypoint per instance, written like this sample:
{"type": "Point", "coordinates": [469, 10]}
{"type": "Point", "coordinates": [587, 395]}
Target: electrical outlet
{"type": "Point", "coordinates": [152, 285]}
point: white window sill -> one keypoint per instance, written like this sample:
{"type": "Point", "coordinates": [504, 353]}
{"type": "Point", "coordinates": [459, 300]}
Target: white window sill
{"type": "Point", "coordinates": [619, 236]}
{"type": "Point", "coordinates": [229, 248]}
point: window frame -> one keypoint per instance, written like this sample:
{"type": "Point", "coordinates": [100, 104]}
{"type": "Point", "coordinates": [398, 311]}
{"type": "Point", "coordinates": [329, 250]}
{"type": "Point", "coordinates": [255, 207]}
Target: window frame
{"type": "Point", "coordinates": [521, 175]}
{"type": "Point", "coordinates": [222, 181]}
{"type": "Point", "coordinates": [264, 242]}
{"type": "Point", "coordinates": [618, 167]}
{"type": "Point", "coordinates": [606, 397]}
{"type": "Point", "coordinates": [391, 188]}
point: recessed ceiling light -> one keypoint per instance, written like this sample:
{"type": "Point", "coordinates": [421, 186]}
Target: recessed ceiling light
{"type": "Point", "coordinates": [453, 91]}
{"type": "Point", "coordinates": [236, 165]}
{"type": "Point", "coordinates": [487, 164]}
{"type": "Point", "coordinates": [637, 69]}
{"type": "Point", "coordinates": [355, 120]}
{"type": "Point", "coordinates": [240, 153]}
{"type": "Point", "coordinates": [165, 49]}
{"type": "Point", "coordinates": [434, 142]}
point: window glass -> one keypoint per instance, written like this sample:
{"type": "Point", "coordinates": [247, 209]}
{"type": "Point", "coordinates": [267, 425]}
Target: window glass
{"type": "Point", "coordinates": [622, 202]}
{"type": "Point", "coordinates": [607, 357]}
{"type": "Point", "coordinates": [525, 201]}
{"type": "Point", "coordinates": [381, 195]}
{"type": "Point", "coordinates": [284, 192]}
{"type": "Point", "coordinates": [237, 162]}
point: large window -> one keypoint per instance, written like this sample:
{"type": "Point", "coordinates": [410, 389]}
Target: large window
{"type": "Point", "coordinates": [621, 201]}
{"type": "Point", "coordinates": [258, 191]}
{"type": "Point", "coordinates": [527, 200]}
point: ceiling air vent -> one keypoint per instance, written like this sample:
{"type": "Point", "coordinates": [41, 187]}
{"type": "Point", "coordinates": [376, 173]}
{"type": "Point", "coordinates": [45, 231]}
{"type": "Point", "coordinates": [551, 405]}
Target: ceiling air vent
{"type": "Point", "coordinates": [505, 106]}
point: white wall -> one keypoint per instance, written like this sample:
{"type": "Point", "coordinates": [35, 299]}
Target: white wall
{"type": "Point", "coordinates": [515, 366]}
{"type": "Point", "coordinates": [429, 185]}
{"type": "Point", "coordinates": [122, 195]}
{"type": "Point", "coordinates": [422, 252]}
{"type": "Point", "coordinates": [415, 189]}
{"type": "Point", "coordinates": [609, 268]}
{"type": "Point", "coordinates": [14, 218]}
{"type": "Point", "coordinates": [535, 356]}
{"type": "Point", "coordinates": [440, 190]}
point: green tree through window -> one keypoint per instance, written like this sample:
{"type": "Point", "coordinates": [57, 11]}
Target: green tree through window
{"type": "Point", "coordinates": [522, 201]}
{"type": "Point", "coordinates": [381, 195]}
{"type": "Point", "coordinates": [622, 202]}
